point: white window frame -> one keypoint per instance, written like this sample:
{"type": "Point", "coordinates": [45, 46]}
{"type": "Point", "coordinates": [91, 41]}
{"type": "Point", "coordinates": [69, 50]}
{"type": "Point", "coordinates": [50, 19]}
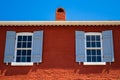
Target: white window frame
{"type": "Point", "coordinates": [94, 63]}
{"type": "Point", "coordinates": [22, 63]}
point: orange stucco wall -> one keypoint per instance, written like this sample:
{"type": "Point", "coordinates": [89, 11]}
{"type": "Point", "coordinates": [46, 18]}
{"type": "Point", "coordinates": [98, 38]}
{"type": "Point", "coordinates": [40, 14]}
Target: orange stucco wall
{"type": "Point", "coordinates": [59, 56]}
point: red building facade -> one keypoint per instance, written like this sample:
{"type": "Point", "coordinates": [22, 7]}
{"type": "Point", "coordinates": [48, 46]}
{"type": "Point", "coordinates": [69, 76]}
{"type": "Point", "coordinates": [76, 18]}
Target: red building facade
{"type": "Point", "coordinates": [59, 59]}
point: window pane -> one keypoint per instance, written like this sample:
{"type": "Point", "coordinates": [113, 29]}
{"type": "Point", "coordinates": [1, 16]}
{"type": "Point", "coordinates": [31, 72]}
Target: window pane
{"type": "Point", "coordinates": [28, 52]}
{"type": "Point", "coordinates": [24, 38]}
{"type": "Point", "coordinates": [93, 52]}
{"type": "Point", "coordinates": [88, 44]}
{"type": "Point", "coordinates": [97, 38]}
{"type": "Point", "coordinates": [88, 58]}
{"type": "Point", "coordinates": [23, 59]}
{"type": "Point", "coordinates": [18, 59]}
{"type": "Point", "coordinates": [93, 58]}
{"type": "Point", "coordinates": [98, 44]}
{"type": "Point", "coordinates": [93, 44]}
{"type": "Point", "coordinates": [87, 38]}
{"type": "Point", "coordinates": [24, 52]}
{"type": "Point", "coordinates": [29, 38]}
{"type": "Point", "coordinates": [93, 38]}
{"type": "Point", "coordinates": [19, 45]}
{"type": "Point", "coordinates": [24, 45]}
{"type": "Point", "coordinates": [98, 58]}
{"type": "Point", "coordinates": [28, 59]}
{"type": "Point", "coordinates": [19, 38]}
{"type": "Point", "coordinates": [98, 52]}
{"type": "Point", "coordinates": [88, 52]}
{"type": "Point", "coordinates": [29, 45]}
{"type": "Point", "coordinates": [18, 52]}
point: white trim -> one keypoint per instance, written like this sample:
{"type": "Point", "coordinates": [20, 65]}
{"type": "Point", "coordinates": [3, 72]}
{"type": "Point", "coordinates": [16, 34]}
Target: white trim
{"type": "Point", "coordinates": [93, 33]}
{"type": "Point", "coordinates": [22, 64]}
{"type": "Point", "coordinates": [94, 63]}
{"type": "Point", "coordinates": [101, 47]}
{"type": "Point", "coordinates": [42, 23]}
{"type": "Point", "coordinates": [25, 33]}
{"type": "Point", "coordinates": [94, 48]}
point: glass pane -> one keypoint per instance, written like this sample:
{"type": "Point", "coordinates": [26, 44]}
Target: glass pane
{"type": "Point", "coordinates": [98, 44]}
{"type": "Point", "coordinates": [24, 38]}
{"type": "Point", "coordinates": [19, 45]}
{"type": "Point", "coordinates": [19, 38]}
{"type": "Point", "coordinates": [18, 59]}
{"type": "Point", "coordinates": [93, 58]}
{"type": "Point", "coordinates": [98, 52]}
{"type": "Point", "coordinates": [29, 38]}
{"type": "Point", "coordinates": [98, 58]}
{"type": "Point", "coordinates": [24, 52]}
{"type": "Point", "coordinates": [88, 58]}
{"type": "Point", "coordinates": [28, 59]}
{"type": "Point", "coordinates": [28, 52]}
{"type": "Point", "coordinates": [23, 59]}
{"type": "Point", "coordinates": [97, 38]}
{"type": "Point", "coordinates": [87, 38]}
{"type": "Point", "coordinates": [88, 44]}
{"type": "Point", "coordinates": [88, 52]}
{"type": "Point", "coordinates": [29, 45]}
{"type": "Point", "coordinates": [93, 44]}
{"type": "Point", "coordinates": [93, 38]}
{"type": "Point", "coordinates": [18, 52]}
{"type": "Point", "coordinates": [93, 52]}
{"type": "Point", "coordinates": [24, 45]}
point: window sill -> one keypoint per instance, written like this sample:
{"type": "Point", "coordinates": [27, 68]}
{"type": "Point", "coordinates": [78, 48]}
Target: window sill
{"type": "Point", "coordinates": [94, 63]}
{"type": "Point", "coordinates": [22, 64]}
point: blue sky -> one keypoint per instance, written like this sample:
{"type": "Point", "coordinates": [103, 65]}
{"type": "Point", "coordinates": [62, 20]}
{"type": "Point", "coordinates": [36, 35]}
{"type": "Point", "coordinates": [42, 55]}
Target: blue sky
{"type": "Point", "coordinates": [44, 10]}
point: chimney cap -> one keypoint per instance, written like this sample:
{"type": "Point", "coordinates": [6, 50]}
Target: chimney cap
{"type": "Point", "coordinates": [60, 10]}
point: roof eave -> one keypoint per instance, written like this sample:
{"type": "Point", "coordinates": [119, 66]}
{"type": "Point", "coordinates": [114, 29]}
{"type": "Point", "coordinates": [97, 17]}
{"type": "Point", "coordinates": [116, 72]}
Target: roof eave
{"type": "Point", "coordinates": [42, 23]}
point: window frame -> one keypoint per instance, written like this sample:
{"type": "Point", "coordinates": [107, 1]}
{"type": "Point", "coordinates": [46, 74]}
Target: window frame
{"type": "Point", "coordinates": [15, 52]}
{"type": "Point", "coordinates": [101, 48]}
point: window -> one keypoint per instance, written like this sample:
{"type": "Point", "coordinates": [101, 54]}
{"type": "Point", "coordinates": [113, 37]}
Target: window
{"type": "Point", "coordinates": [94, 48]}
{"type": "Point", "coordinates": [24, 48]}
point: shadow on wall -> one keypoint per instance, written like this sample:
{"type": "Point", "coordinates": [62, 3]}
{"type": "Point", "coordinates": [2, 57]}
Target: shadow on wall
{"type": "Point", "coordinates": [79, 69]}
{"type": "Point", "coordinates": [93, 69]}
{"type": "Point", "coordinates": [17, 70]}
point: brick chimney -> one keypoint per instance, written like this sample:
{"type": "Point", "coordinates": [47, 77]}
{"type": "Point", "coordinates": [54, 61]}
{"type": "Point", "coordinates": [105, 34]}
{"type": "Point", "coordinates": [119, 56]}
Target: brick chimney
{"type": "Point", "coordinates": [60, 14]}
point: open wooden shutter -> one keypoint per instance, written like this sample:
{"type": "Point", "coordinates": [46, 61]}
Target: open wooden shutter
{"type": "Point", "coordinates": [108, 52]}
{"type": "Point", "coordinates": [80, 46]}
{"type": "Point", "coordinates": [9, 47]}
{"type": "Point", "coordinates": [37, 47]}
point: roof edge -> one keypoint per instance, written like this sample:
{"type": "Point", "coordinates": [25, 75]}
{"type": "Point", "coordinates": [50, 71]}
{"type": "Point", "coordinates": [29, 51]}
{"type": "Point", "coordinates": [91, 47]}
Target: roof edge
{"type": "Point", "coordinates": [25, 23]}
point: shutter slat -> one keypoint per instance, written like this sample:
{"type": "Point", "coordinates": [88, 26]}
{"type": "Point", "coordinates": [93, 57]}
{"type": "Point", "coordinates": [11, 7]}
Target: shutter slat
{"type": "Point", "coordinates": [9, 47]}
{"type": "Point", "coordinates": [36, 55]}
{"type": "Point", "coordinates": [108, 52]}
{"type": "Point", "coordinates": [80, 46]}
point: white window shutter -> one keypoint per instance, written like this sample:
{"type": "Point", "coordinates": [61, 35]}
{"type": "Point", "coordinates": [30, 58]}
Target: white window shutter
{"type": "Point", "coordinates": [108, 52]}
{"type": "Point", "coordinates": [80, 46]}
{"type": "Point", "coordinates": [37, 47]}
{"type": "Point", "coordinates": [9, 47]}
